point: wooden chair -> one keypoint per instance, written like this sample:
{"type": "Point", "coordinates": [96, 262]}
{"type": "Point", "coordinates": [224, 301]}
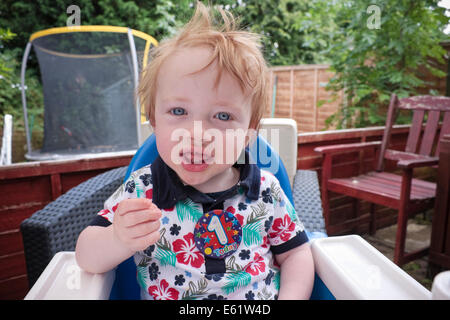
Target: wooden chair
{"type": "Point", "coordinates": [401, 192]}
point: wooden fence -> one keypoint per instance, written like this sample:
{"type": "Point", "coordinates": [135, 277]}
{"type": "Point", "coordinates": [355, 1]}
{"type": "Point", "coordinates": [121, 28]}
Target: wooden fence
{"type": "Point", "coordinates": [298, 90]}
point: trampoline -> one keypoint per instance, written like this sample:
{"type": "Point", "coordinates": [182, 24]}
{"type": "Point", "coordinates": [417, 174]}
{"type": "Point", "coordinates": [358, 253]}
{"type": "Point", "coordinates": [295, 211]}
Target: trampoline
{"type": "Point", "coordinates": [89, 75]}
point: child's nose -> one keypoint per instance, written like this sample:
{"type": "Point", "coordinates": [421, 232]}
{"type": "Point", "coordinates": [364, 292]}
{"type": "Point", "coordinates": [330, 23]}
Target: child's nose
{"type": "Point", "coordinates": [197, 134]}
{"type": "Point", "coordinates": [198, 146]}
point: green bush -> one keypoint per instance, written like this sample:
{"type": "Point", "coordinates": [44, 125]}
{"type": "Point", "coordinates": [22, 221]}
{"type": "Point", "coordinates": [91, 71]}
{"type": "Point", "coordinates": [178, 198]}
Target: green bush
{"type": "Point", "coordinates": [292, 29]}
{"type": "Point", "coordinates": [371, 62]}
{"type": "Point", "coordinates": [156, 18]}
{"type": "Point", "coordinates": [288, 28]}
{"type": "Point", "coordinates": [10, 93]}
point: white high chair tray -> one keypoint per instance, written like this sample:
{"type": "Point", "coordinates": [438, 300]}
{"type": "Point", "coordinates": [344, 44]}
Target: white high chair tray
{"type": "Point", "coordinates": [349, 266]}
{"type": "Point", "coordinates": [63, 279]}
{"type": "Point", "coordinates": [353, 269]}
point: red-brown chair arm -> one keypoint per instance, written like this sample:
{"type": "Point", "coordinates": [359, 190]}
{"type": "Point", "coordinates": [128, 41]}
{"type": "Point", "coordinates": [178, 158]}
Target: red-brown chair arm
{"type": "Point", "coordinates": [417, 163]}
{"type": "Point", "coordinates": [348, 147]}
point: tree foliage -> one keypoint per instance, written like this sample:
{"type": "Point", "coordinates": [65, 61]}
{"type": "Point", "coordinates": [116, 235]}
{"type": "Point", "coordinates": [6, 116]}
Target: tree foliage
{"type": "Point", "coordinates": [289, 29]}
{"type": "Point", "coordinates": [158, 18]}
{"type": "Point", "coordinates": [5, 71]}
{"type": "Point", "coordinates": [369, 64]}
{"type": "Point", "coordinates": [10, 94]}
{"type": "Point", "coordinates": [372, 62]}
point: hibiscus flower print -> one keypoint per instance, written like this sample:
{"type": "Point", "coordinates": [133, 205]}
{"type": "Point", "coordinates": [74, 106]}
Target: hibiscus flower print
{"type": "Point", "coordinates": [256, 266]}
{"type": "Point", "coordinates": [282, 227]}
{"type": "Point", "coordinates": [186, 251]}
{"type": "Point", "coordinates": [240, 218]}
{"type": "Point", "coordinates": [163, 292]}
{"type": "Point", "coordinates": [104, 212]}
{"type": "Point", "coordinates": [107, 214]}
{"type": "Point", "coordinates": [265, 242]}
{"type": "Point", "coordinates": [231, 209]}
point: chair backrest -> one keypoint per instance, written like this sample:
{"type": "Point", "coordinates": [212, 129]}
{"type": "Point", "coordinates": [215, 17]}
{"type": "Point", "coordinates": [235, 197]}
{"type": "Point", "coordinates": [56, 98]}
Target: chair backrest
{"type": "Point", "coordinates": [126, 287]}
{"type": "Point", "coordinates": [432, 108]}
{"type": "Point", "coordinates": [281, 133]}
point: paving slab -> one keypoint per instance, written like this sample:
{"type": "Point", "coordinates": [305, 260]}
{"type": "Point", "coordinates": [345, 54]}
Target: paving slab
{"type": "Point", "coordinates": [418, 236]}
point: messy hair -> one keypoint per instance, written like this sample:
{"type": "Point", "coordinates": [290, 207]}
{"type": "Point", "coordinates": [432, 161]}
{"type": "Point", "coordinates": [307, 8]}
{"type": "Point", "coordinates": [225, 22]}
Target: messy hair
{"type": "Point", "coordinates": [237, 52]}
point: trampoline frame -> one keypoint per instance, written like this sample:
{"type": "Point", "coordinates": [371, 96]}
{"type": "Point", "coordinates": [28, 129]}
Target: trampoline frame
{"type": "Point", "coordinates": [131, 33]}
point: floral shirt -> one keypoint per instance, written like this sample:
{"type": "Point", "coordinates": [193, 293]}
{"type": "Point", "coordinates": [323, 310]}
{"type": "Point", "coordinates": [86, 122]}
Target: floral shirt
{"type": "Point", "coordinates": [175, 267]}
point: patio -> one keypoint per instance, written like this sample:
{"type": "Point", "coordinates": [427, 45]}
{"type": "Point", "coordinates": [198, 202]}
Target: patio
{"type": "Point", "coordinates": [419, 233]}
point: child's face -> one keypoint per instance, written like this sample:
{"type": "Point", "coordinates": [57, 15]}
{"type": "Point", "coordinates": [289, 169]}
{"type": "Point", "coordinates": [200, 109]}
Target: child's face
{"type": "Point", "coordinates": [192, 117]}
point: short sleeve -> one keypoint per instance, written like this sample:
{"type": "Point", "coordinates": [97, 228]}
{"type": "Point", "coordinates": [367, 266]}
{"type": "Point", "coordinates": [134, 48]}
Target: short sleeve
{"type": "Point", "coordinates": [138, 185]}
{"type": "Point", "coordinates": [286, 231]}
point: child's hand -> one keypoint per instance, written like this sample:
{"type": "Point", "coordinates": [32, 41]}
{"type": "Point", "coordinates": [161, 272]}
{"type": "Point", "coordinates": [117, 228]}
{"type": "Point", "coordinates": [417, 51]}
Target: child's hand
{"type": "Point", "coordinates": [136, 223]}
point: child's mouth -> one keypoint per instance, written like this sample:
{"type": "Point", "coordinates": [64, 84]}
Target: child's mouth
{"type": "Point", "coordinates": [194, 162]}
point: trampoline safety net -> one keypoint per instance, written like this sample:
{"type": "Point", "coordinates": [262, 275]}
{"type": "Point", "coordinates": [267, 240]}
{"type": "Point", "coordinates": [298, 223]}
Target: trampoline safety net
{"type": "Point", "coordinates": [88, 84]}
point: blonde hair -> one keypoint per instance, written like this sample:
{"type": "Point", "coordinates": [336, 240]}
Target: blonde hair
{"type": "Point", "coordinates": [237, 52]}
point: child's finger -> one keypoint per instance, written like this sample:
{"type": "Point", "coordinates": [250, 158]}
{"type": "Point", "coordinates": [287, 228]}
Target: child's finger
{"type": "Point", "coordinates": [129, 205]}
{"type": "Point", "coordinates": [155, 213]}
{"type": "Point", "coordinates": [145, 241]}
{"type": "Point", "coordinates": [136, 217]}
{"type": "Point", "coordinates": [144, 229]}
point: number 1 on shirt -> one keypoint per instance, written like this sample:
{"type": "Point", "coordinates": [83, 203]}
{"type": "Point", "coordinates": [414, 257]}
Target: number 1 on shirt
{"type": "Point", "coordinates": [217, 227]}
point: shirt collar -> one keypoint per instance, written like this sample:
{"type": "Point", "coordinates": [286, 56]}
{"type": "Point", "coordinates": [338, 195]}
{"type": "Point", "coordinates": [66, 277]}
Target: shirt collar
{"type": "Point", "coordinates": [168, 188]}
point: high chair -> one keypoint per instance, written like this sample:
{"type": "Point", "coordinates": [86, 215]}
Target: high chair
{"type": "Point", "coordinates": [349, 266]}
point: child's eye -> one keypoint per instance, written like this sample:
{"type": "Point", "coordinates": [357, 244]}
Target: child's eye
{"type": "Point", "coordinates": [178, 111]}
{"type": "Point", "coordinates": [224, 116]}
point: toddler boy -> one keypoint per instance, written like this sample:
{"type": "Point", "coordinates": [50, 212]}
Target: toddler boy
{"type": "Point", "coordinates": [199, 223]}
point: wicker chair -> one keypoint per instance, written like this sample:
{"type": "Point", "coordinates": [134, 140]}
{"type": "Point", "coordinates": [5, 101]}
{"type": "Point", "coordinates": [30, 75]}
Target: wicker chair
{"type": "Point", "coordinates": [56, 227]}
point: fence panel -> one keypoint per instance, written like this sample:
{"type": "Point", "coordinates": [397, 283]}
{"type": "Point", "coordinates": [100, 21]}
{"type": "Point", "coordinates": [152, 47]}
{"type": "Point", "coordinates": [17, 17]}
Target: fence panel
{"type": "Point", "coordinates": [298, 90]}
